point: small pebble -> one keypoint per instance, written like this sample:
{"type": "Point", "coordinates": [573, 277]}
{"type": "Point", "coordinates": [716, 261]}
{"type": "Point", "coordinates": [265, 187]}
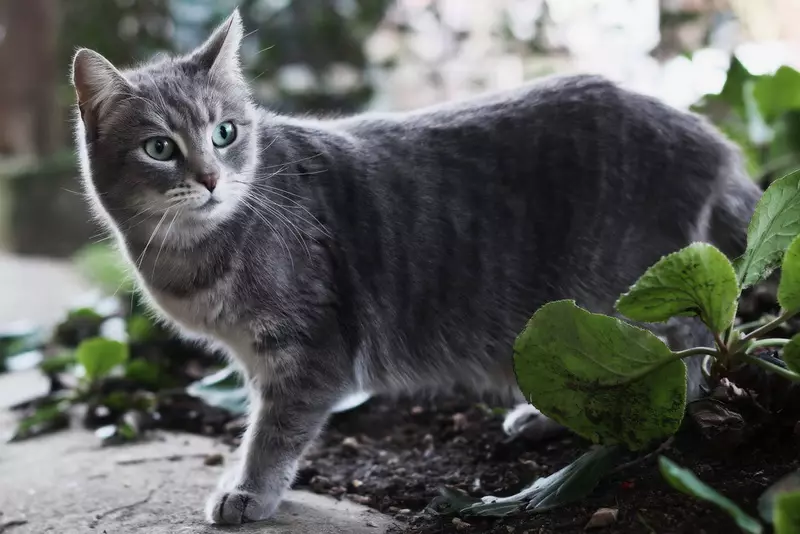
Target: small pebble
{"type": "Point", "coordinates": [350, 443]}
{"type": "Point", "coordinates": [371, 524]}
{"type": "Point", "coordinates": [602, 518]}
{"type": "Point", "coordinates": [416, 410]}
{"type": "Point", "coordinates": [460, 524]}
{"type": "Point", "coordinates": [459, 422]}
{"type": "Point", "coordinates": [360, 499]}
{"type": "Point", "coordinates": [214, 459]}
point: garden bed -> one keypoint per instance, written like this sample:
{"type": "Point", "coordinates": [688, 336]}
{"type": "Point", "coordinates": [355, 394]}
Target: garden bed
{"type": "Point", "coordinates": [394, 457]}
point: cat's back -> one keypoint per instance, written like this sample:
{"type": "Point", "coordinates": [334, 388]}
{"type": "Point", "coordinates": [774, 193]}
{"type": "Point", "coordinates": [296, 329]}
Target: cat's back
{"type": "Point", "coordinates": [571, 107]}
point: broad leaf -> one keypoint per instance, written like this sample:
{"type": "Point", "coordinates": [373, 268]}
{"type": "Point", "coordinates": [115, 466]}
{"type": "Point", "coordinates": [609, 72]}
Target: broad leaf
{"type": "Point", "coordinates": [775, 224]}
{"type": "Point", "coordinates": [697, 280]}
{"type": "Point", "coordinates": [787, 513]}
{"type": "Point", "coordinates": [99, 356]}
{"type": "Point", "coordinates": [47, 418]}
{"type": "Point", "coordinates": [788, 484]}
{"type": "Point", "coordinates": [606, 380]}
{"type": "Point", "coordinates": [223, 389]}
{"type": "Point", "coordinates": [778, 93]}
{"type": "Point", "coordinates": [685, 481]}
{"type": "Point", "coordinates": [568, 485]}
{"type": "Point", "coordinates": [789, 287]}
{"type": "Point", "coordinates": [791, 354]}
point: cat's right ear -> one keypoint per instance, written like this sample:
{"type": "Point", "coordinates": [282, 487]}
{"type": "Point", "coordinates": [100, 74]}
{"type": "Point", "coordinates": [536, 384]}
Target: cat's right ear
{"type": "Point", "coordinates": [97, 82]}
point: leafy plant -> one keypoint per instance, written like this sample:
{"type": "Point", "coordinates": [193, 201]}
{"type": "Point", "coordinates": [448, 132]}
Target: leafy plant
{"type": "Point", "coordinates": [612, 382]}
{"type": "Point", "coordinates": [761, 113]}
{"type": "Point", "coordinates": [615, 383]}
{"type": "Point", "coordinates": [99, 356]}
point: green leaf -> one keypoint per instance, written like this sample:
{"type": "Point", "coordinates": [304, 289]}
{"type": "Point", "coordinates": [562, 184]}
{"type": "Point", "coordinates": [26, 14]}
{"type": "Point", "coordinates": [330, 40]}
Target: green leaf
{"type": "Point", "coordinates": [147, 373]}
{"type": "Point", "coordinates": [224, 389]}
{"type": "Point", "coordinates": [778, 93]}
{"type": "Point", "coordinates": [791, 354]}
{"type": "Point", "coordinates": [685, 481]}
{"type": "Point", "coordinates": [99, 356]}
{"type": "Point", "coordinates": [47, 418]}
{"type": "Point", "coordinates": [774, 226]}
{"type": "Point", "coordinates": [141, 329]}
{"type": "Point", "coordinates": [105, 266]}
{"type": "Point", "coordinates": [605, 379]}
{"type": "Point", "coordinates": [758, 131]}
{"type": "Point", "coordinates": [788, 484]}
{"type": "Point", "coordinates": [789, 287]}
{"type": "Point", "coordinates": [697, 280]}
{"type": "Point", "coordinates": [732, 91]}
{"type": "Point", "coordinates": [787, 513]}
{"type": "Point", "coordinates": [58, 364]}
{"type": "Point", "coordinates": [570, 484]}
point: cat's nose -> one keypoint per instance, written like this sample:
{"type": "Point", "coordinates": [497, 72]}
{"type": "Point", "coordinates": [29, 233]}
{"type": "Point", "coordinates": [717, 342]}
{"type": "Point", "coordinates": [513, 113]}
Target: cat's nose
{"type": "Point", "coordinates": [209, 180]}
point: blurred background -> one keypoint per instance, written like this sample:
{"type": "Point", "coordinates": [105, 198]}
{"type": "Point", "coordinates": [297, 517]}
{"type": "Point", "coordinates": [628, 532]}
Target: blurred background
{"type": "Point", "coordinates": [732, 60]}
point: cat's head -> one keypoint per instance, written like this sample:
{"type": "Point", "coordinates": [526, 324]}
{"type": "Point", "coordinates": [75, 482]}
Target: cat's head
{"type": "Point", "coordinates": [174, 140]}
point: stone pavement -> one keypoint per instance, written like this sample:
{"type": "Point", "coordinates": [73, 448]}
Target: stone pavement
{"type": "Point", "coordinates": [66, 484]}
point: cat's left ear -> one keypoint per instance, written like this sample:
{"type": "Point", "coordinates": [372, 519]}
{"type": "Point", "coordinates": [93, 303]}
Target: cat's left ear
{"type": "Point", "coordinates": [221, 51]}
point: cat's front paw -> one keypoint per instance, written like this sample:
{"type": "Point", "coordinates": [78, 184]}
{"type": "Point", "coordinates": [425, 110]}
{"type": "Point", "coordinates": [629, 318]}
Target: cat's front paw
{"type": "Point", "coordinates": [237, 507]}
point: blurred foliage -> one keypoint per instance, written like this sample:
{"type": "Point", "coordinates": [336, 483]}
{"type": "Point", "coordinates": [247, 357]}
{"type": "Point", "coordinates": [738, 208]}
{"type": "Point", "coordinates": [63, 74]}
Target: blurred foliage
{"type": "Point", "coordinates": [300, 55]}
{"type": "Point", "coordinates": [761, 113]}
{"type": "Point", "coordinates": [129, 372]}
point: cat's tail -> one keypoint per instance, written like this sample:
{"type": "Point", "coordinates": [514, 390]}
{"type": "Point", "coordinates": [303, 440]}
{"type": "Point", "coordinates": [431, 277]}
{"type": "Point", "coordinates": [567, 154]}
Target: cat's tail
{"type": "Point", "coordinates": [730, 215]}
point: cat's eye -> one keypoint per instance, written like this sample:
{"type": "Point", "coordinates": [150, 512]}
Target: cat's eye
{"type": "Point", "coordinates": [160, 148]}
{"type": "Point", "coordinates": [224, 134]}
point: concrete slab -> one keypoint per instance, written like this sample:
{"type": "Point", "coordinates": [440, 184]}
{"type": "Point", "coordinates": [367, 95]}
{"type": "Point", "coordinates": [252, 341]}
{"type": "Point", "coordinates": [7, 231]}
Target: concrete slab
{"type": "Point", "coordinates": [38, 290]}
{"type": "Point", "coordinates": [66, 483]}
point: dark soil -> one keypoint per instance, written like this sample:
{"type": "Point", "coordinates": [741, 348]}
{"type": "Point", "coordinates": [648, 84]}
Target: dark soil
{"type": "Point", "coordinates": [395, 456]}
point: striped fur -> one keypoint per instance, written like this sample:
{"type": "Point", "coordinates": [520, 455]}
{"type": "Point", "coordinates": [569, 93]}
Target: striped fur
{"type": "Point", "coordinates": [390, 252]}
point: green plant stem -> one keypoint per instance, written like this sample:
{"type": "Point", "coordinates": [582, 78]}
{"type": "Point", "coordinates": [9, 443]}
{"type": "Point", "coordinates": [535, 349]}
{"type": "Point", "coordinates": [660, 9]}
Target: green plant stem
{"type": "Point", "coordinates": [751, 324]}
{"type": "Point", "coordinates": [768, 342]}
{"type": "Point", "coordinates": [785, 373]}
{"type": "Point", "coordinates": [770, 326]}
{"type": "Point", "coordinates": [696, 351]}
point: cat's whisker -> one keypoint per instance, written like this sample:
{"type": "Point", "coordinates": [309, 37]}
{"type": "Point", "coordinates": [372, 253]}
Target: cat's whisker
{"type": "Point", "coordinates": [155, 231]}
{"type": "Point", "coordinates": [309, 173]}
{"type": "Point", "coordinates": [268, 146]}
{"type": "Point", "coordinates": [284, 220]}
{"type": "Point", "coordinates": [161, 100]}
{"type": "Point", "coordinates": [266, 201]}
{"type": "Point", "coordinates": [164, 239]}
{"type": "Point", "coordinates": [279, 192]}
{"type": "Point", "coordinates": [287, 163]}
{"type": "Point", "coordinates": [258, 214]}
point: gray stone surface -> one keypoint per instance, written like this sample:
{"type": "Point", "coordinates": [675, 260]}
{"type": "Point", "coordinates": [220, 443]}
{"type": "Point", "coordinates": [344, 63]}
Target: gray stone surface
{"type": "Point", "coordinates": [36, 289]}
{"type": "Point", "coordinates": [66, 483]}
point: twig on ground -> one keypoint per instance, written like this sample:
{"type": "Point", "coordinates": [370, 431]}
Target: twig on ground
{"type": "Point", "coordinates": [93, 523]}
{"type": "Point", "coordinates": [642, 459]}
{"type": "Point", "coordinates": [170, 458]}
{"type": "Point", "coordinates": [12, 523]}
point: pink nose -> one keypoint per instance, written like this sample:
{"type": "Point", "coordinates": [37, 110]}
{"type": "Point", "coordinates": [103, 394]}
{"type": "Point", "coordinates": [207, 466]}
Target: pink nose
{"type": "Point", "coordinates": [209, 180]}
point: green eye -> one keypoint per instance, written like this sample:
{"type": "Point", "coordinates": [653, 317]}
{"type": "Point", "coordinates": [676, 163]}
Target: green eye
{"type": "Point", "coordinates": [224, 134]}
{"type": "Point", "coordinates": [160, 148]}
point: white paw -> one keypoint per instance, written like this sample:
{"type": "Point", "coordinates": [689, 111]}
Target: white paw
{"type": "Point", "coordinates": [237, 507]}
{"type": "Point", "coordinates": [528, 422]}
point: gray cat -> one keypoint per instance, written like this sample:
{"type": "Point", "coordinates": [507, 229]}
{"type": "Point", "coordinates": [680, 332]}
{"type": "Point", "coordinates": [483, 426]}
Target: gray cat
{"type": "Point", "coordinates": [385, 253]}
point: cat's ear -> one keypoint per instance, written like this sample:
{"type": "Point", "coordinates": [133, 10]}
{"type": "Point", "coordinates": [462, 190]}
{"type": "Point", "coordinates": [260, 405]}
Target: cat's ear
{"type": "Point", "coordinates": [221, 51]}
{"type": "Point", "coordinates": [97, 82]}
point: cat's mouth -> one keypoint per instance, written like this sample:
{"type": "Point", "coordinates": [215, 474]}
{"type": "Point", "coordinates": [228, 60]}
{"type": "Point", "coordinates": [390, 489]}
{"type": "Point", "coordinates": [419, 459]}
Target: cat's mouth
{"type": "Point", "coordinates": [208, 205]}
